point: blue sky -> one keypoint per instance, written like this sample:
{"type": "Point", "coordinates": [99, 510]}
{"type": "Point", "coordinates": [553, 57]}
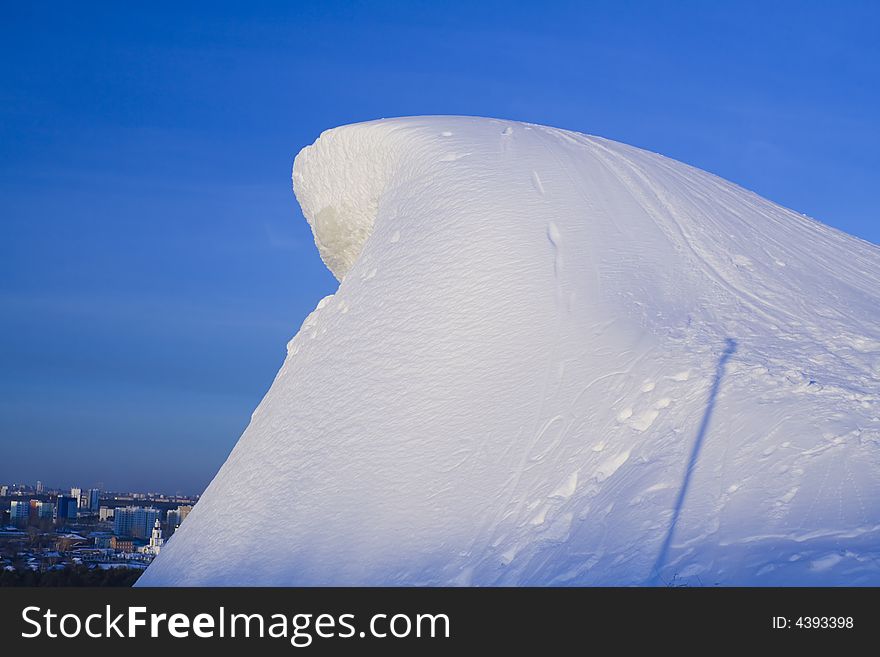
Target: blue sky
{"type": "Point", "coordinates": [154, 262]}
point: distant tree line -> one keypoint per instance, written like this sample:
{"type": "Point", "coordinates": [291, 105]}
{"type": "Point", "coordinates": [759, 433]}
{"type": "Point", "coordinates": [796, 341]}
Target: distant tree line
{"type": "Point", "coordinates": [78, 575]}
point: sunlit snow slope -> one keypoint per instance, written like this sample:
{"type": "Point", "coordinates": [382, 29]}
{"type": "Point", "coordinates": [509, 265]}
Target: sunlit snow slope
{"type": "Point", "coordinates": [554, 359]}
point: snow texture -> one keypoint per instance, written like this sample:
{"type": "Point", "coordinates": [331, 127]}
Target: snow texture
{"type": "Point", "coordinates": [554, 359]}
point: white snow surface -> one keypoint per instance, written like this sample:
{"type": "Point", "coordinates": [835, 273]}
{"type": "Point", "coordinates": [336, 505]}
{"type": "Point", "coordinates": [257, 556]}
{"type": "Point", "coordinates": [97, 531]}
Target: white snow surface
{"type": "Point", "coordinates": [554, 359]}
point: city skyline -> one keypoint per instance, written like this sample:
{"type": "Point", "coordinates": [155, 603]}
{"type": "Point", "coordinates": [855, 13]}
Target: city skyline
{"type": "Point", "coordinates": [40, 487]}
{"type": "Point", "coordinates": [53, 535]}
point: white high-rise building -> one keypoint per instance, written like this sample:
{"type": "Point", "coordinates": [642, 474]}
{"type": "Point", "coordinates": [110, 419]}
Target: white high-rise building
{"type": "Point", "coordinates": [176, 516]}
{"type": "Point", "coordinates": [134, 521]}
{"type": "Point", "coordinates": [76, 494]}
{"type": "Point", "coordinates": [91, 499]}
{"type": "Point", "coordinates": [19, 511]}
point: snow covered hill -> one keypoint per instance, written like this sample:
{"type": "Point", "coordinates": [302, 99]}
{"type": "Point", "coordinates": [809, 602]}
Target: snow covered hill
{"type": "Point", "coordinates": [554, 359]}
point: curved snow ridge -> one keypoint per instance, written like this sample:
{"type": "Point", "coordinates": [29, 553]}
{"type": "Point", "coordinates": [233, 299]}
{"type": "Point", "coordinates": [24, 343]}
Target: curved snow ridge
{"type": "Point", "coordinates": [643, 233]}
{"type": "Point", "coordinates": [344, 179]}
{"type": "Point", "coordinates": [554, 359]}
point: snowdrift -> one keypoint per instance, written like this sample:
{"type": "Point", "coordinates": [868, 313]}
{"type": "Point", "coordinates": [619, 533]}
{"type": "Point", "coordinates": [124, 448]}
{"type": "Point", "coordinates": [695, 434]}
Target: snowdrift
{"type": "Point", "coordinates": [554, 359]}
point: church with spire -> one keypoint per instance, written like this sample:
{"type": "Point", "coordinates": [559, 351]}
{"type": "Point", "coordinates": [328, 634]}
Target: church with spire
{"type": "Point", "coordinates": [157, 540]}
